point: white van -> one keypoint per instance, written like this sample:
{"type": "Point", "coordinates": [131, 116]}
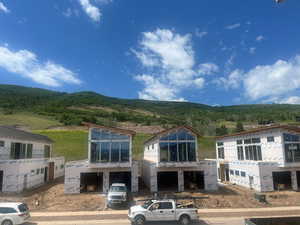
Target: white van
{"type": "Point", "coordinates": [13, 213]}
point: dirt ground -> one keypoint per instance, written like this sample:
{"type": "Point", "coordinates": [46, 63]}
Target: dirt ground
{"type": "Point", "coordinates": [51, 197]}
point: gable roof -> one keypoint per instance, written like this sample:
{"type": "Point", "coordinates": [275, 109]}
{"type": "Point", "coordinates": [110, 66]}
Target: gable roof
{"type": "Point", "coordinates": [265, 128]}
{"type": "Point", "coordinates": [113, 129]}
{"type": "Point", "coordinates": [13, 133]}
{"type": "Point", "coordinates": [157, 135]}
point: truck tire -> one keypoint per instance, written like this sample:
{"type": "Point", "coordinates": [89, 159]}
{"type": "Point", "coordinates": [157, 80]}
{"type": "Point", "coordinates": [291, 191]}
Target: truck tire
{"type": "Point", "coordinates": [7, 222]}
{"type": "Point", "coordinates": [184, 220]}
{"type": "Point", "coordinates": [139, 220]}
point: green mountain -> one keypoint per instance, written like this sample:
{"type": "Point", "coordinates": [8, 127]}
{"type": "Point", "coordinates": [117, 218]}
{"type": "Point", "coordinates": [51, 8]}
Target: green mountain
{"type": "Point", "coordinates": [74, 108]}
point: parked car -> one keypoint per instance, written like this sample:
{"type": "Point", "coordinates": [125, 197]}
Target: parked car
{"type": "Point", "coordinates": [161, 210]}
{"type": "Point", "coordinates": [13, 213]}
{"type": "Point", "coordinates": [117, 195]}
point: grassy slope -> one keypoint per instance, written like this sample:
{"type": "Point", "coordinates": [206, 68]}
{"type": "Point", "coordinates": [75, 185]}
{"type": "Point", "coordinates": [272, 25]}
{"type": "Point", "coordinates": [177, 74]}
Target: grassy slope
{"type": "Point", "coordinates": [70, 144]}
{"type": "Point", "coordinates": [73, 144]}
{"type": "Point", "coordinates": [207, 147]}
{"type": "Point", "coordinates": [138, 145]}
{"type": "Point", "coordinates": [30, 120]}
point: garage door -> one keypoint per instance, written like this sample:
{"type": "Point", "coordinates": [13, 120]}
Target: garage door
{"type": "Point", "coordinates": [91, 182]}
{"type": "Point", "coordinates": [167, 181]}
{"type": "Point", "coordinates": [120, 177]}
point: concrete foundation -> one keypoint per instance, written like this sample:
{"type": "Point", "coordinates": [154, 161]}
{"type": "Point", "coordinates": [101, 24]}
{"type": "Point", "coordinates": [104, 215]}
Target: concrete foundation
{"type": "Point", "coordinates": [19, 175]}
{"type": "Point", "coordinates": [150, 171]}
{"type": "Point", "coordinates": [75, 169]}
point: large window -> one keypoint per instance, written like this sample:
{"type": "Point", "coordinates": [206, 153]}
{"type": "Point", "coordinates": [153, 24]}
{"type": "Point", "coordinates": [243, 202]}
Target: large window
{"type": "Point", "coordinates": [173, 151]}
{"type": "Point", "coordinates": [107, 146]}
{"type": "Point", "coordinates": [29, 151]}
{"type": "Point", "coordinates": [164, 152]}
{"type": "Point", "coordinates": [292, 147]}
{"type": "Point", "coordinates": [99, 134]}
{"type": "Point", "coordinates": [240, 153]}
{"type": "Point", "coordinates": [270, 139]}
{"type": "Point", "coordinates": [2, 143]}
{"type": "Point", "coordinates": [47, 151]}
{"type": "Point", "coordinates": [18, 151]}
{"type": "Point", "coordinates": [291, 138]}
{"type": "Point", "coordinates": [292, 152]}
{"type": "Point", "coordinates": [124, 152]}
{"type": "Point", "coordinates": [182, 149]}
{"type": "Point", "coordinates": [178, 146]}
{"type": "Point", "coordinates": [221, 154]}
{"type": "Point", "coordinates": [253, 152]}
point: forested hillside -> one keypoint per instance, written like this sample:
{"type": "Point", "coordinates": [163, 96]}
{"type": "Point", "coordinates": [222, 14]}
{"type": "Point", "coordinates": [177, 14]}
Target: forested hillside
{"type": "Point", "coordinates": [74, 108]}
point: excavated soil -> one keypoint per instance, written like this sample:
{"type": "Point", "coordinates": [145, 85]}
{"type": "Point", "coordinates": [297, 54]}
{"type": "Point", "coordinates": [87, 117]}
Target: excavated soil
{"type": "Point", "coordinates": [51, 197]}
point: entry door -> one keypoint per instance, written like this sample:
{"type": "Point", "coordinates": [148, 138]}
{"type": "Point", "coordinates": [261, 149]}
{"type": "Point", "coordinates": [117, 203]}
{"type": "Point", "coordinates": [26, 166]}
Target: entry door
{"type": "Point", "coordinates": [298, 179]}
{"type": "Point", "coordinates": [1, 180]}
{"type": "Point", "coordinates": [226, 175]}
{"type": "Point", "coordinates": [25, 182]}
{"type": "Point", "coordinates": [251, 182]}
{"type": "Point", "coordinates": [51, 171]}
{"type": "Point", "coordinates": [46, 175]}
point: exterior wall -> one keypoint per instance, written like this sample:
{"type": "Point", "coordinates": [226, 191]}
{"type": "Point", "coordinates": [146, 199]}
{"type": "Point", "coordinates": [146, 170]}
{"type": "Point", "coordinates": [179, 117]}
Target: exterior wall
{"type": "Point", "coordinates": [261, 173]}
{"type": "Point", "coordinates": [150, 175]}
{"type": "Point", "coordinates": [151, 152]}
{"type": "Point", "coordinates": [37, 151]}
{"type": "Point", "coordinates": [74, 169]}
{"type": "Point", "coordinates": [150, 171]}
{"type": "Point", "coordinates": [271, 151]}
{"type": "Point", "coordinates": [273, 160]}
{"type": "Point", "coordinates": [22, 174]}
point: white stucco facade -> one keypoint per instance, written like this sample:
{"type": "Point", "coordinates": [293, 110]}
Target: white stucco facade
{"type": "Point", "coordinates": [18, 174]}
{"type": "Point", "coordinates": [153, 163]}
{"type": "Point", "coordinates": [77, 169]}
{"type": "Point", "coordinates": [257, 173]}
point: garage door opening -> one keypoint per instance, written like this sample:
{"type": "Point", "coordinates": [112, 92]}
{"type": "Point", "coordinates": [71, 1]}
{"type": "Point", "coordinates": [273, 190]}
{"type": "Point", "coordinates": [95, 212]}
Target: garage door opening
{"type": "Point", "coordinates": [91, 182]}
{"type": "Point", "coordinates": [298, 179]}
{"type": "Point", "coordinates": [120, 177]}
{"type": "Point", "coordinates": [167, 181]}
{"type": "Point", "coordinates": [282, 180]}
{"type": "Point", "coordinates": [194, 180]}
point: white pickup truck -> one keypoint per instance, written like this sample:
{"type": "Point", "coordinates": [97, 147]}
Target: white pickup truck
{"type": "Point", "coordinates": [161, 210]}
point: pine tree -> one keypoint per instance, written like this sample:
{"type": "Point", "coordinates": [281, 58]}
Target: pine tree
{"type": "Point", "coordinates": [239, 127]}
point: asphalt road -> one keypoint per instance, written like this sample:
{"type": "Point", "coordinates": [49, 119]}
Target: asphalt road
{"type": "Point", "coordinates": [208, 221]}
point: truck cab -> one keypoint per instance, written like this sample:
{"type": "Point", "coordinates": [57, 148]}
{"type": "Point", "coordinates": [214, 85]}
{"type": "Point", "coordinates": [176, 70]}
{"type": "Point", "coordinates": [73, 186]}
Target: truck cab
{"type": "Point", "coordinates": [117, 195]}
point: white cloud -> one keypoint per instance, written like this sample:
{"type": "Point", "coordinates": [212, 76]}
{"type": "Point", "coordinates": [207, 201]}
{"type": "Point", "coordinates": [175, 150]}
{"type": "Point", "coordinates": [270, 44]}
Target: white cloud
{"type": "Point", "coordinates": [233, 81]}
{"type": "Point", "coordinates": [26, 64]}
{"type": "Point", "coordinates": [208, 68]}
{"type": "Point", "coordinates": [252, 50]}
{"type": "Point", "coordinates": [3, 8]}
{"type": "Point", "coordinates": [155, 89]}
{"type": "Point", "coordinates": [233, 26]}
{"type": "Point", "coordinates": [92, 11]}
{"type": "Point", "coordinates": [170, 58]}
{"type": "Point", "coordinates": [290, 100]}
{"type": "Point", "coordinates": [266, 81]}
{"type": "Point", "coordinates": [260, 38]}
{"type": "Point", "coordinates": [200, 34]}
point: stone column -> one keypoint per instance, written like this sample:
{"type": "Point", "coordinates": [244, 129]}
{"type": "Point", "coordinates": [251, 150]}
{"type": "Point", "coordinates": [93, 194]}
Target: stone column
{"type": "Point", "coordinates": [294, 180]}
{"type": "Point", "coordinates": [180, 181]}
{"type": "Point", "coordinates": [135, 176]}
{"type": "Point", "coordinates": [153, 178]}
{"type": "Point", "coordinates": [105, 181]}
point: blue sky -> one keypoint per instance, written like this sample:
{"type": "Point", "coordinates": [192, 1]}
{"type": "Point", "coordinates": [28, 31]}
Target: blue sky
{"type": "Point", "coordinates": [210, 51]}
